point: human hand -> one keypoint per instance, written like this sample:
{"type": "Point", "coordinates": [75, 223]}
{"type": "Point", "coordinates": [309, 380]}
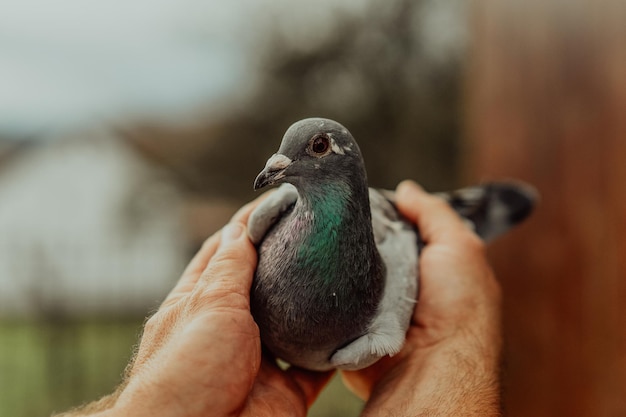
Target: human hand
{"type": "Point", "coordinates": [452, 348]}
{"type": "Point", "coordinates": [200, 353]}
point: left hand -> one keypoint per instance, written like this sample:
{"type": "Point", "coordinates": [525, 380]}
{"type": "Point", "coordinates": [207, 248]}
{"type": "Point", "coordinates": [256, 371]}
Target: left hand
{"type": "Point", "coordinates": [450, 362]}
{"type": "Point", "coordinates": [200, 354]}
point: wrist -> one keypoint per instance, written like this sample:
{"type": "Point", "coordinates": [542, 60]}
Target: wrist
{"type": "Point", "coordinates": [458, 376]}
{"type": "Point", "coordinates": [139, 400]}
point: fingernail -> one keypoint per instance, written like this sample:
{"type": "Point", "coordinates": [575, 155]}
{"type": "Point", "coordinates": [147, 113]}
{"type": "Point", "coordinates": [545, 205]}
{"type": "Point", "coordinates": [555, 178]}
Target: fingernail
{"type": "Point", "coordinates": [409, 185]}
{"type": "Point", "coordinates": [231, 232]}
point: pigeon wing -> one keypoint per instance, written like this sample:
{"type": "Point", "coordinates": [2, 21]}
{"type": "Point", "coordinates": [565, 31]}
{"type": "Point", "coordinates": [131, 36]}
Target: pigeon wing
{"type": "Point", "coordinates": [266, 214]}
{"type": "Point", "coordinates": [397, 243]}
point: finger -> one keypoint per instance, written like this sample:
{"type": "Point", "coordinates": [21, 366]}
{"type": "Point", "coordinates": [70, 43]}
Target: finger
{"type": "Point", "coordinates": [232, 267]}
{"type": "Point", "coordinates": [310, 383]}
{"type": "Point", "coordinates": [200, 261]}
{"type": "Point", "coordinates": [202, 258]}
{"type": "Point", "coordinates": [294, 385]}
{"type": "Point", "coordinates": [435, 219]}
{"type": "Point", "coordinates": [192, 272]}
{"type": "Point", "coordinates": [362, 381]}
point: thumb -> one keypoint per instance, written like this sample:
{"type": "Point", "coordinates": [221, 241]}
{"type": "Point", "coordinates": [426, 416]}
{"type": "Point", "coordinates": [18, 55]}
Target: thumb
{"type": "Point", "coordinates": [232, 267]}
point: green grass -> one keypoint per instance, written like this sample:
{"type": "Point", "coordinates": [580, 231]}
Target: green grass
{"type": "Point", "coordinates": [52, 366]}
{"type": "Point", "coordinates": [336, 401]}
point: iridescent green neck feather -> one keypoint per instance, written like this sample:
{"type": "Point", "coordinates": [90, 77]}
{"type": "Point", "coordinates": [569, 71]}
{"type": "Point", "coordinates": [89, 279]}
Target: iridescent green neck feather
{"type": "Point", "coordinates": [325, 213]}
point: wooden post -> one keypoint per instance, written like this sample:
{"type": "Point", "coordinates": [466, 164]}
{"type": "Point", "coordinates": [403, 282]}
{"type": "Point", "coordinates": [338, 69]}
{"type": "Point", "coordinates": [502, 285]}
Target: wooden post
{"type": "Point", "coordinates": [546, 101]}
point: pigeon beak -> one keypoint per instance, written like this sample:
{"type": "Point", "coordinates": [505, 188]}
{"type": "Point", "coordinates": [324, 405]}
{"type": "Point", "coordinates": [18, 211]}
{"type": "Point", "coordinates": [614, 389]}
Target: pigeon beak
{"type": "Point", "coordinates": [274, 170]}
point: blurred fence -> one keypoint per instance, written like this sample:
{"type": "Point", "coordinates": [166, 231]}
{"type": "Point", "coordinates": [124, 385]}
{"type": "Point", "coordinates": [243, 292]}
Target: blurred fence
{"type": "Point", "coordinates": [391, 74]}
{"type": "Point", "coordinates": [91, 240]}
{"type": "Point", "coordinates": [546, 100]}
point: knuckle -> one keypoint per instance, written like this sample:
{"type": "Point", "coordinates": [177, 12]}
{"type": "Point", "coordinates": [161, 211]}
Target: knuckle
{"type": "Point", "coordinates": [474, 243]}
{"type": "Point", "coordinates": [155, 323]}
{"type": "Point", "coordinates": [151, 324]}
{"type": "Point", "coordinates": [436, 203]}
{"type": "Point", "coordinates": [233, 259]}
{"type": "Point", "coordinates": [222, 295]}
{"type": "Point", "coordinates": [209, 241]}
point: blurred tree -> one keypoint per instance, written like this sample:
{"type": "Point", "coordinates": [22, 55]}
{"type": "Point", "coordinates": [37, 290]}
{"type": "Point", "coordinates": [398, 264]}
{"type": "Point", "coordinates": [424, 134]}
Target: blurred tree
{"type": "Point", "coordinates": [376, 74]}
{"type": "Point", "coordinates": [385, 74]}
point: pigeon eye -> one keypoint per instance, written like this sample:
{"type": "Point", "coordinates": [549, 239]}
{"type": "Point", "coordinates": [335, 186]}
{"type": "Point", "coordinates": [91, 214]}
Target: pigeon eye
{"type": "Point", "coordinates": [319, 145]}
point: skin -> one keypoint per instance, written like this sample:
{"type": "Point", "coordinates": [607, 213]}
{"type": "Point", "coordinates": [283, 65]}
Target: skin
{"type": "Point", "coordinates": [200, 354]}
{"type": "Point", "coordinates": [449, 365]}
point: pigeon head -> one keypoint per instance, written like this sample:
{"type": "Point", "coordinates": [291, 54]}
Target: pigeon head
{"type": "Point", "coordinates": [313, 148]}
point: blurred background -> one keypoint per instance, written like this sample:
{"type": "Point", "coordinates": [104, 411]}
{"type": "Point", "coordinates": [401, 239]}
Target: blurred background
{"type": "Point", "coordinates": [130, 131]}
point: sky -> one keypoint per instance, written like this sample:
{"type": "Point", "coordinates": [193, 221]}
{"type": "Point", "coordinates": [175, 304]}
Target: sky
{"type": "Point", "coordinates": [67, 63]}
{"type": "Point", "coordinates": [73, 61]}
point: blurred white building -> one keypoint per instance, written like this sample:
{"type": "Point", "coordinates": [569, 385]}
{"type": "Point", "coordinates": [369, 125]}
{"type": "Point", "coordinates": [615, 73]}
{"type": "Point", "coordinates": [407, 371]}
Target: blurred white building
{"type": "Point", "coordinates": [87, 227]}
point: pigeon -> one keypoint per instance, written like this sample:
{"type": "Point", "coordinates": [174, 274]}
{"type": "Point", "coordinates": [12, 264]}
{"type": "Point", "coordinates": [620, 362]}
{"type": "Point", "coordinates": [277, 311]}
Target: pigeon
{"type": "Point", "coordinates": [337, 277]}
